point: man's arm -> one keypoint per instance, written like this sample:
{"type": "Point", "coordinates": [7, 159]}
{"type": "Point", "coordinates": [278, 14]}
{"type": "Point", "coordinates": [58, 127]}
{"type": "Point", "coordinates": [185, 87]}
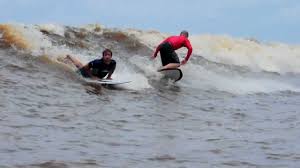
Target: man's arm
{"type": "Point", "coordinates": [111, 71]}
{"type": "Point", "coordinates": [189, 53]}
{"type": "Point", "coordinates": [109, 75]}
{"type": "Point", "coordinates": [157, 49]}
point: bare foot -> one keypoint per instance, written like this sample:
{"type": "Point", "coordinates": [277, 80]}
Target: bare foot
{"type": "Point", "coordinates": [161, 69]}
{"type": "Point", "coordinates": [67, 59]}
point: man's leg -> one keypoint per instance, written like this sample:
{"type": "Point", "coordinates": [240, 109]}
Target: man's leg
{"type": "Point", "coordinates": [170, 60]}
{"type": "Point", "coordinates": [75, 61]}
{"type": "Point", "coordinates": [171, 66]}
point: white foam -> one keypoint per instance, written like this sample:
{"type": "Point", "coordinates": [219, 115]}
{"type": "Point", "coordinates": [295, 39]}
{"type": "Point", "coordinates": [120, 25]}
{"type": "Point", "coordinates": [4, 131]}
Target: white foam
{"type": "Point", "coordinates": [139, 69]}
{"type": "Point", "coordinates": [52, 28]}
{"type": "Point", "coordinates": [128, 72]}
{"type": "Point", "coordinates": [227, 50]}
{"type": "Point", "coordinates": [198, 77]}
{"type": "Point", "coordinates": [34, 38]}
{"type": "Point", "coordinates": [95, 28]}
{"type": "Point", "coordinates": [39, 44]}
{"type": "Point", "coordinates": [280, 58]}
{"type": "Point", "coordinates": [149, 38]}
{"type": "Point", "coordinates": [276, 57]}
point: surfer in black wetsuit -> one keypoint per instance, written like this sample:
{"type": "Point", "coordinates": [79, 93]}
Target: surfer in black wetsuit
{"type": "Point", "coordinates": [98, 68]}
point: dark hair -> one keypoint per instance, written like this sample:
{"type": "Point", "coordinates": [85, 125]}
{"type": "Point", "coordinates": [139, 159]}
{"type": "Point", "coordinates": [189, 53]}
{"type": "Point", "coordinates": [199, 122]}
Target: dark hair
{"type": "Point", "coordinates": [184, 32]}
{"type": "Point", "coordinates": [107, 51]}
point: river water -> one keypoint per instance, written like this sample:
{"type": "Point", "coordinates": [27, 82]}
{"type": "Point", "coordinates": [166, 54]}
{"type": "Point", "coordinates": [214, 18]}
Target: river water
{"type": "Point", "coordinates": [220, 114]}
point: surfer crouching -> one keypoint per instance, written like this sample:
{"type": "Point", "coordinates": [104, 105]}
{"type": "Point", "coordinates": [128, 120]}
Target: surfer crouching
{"type": "Point", "coordinates": [167, 49]}
{"type": "Point", "coordinates": [98, 68]}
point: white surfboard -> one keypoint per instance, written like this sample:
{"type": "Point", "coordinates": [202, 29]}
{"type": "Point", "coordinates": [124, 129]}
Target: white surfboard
{"type": "Point", "coordinates": [173, 74]}
{"type": "Point", "coordinates": [107, 82]}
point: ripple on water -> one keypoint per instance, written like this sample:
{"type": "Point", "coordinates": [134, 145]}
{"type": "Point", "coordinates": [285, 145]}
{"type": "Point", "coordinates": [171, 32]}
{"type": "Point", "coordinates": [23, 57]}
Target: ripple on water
{"type": "Point", "coordinates": [163, 158]}
{"type": "Point", "coordinates": [87, 163]}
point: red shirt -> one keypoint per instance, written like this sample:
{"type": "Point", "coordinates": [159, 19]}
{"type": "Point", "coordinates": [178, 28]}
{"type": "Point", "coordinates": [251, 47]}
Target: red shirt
{"type": "Point", "coordinates": [176, 43]}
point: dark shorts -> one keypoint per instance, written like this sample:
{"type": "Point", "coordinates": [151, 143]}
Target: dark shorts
{"type": "Point", "coordinates": [82, 72]}
{"type": "Point", "coordinates": [167, 54]}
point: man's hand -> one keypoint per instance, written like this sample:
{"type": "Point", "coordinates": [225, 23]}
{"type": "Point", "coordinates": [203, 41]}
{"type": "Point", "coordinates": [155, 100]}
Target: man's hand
{"type": "Point", "coordinates": [153, 57]}
{"type": "Point", "coordinates": [183, 62]}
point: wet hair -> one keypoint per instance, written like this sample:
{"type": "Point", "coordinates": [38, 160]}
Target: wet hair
{"type": "Point", "coordinates": [185, 33]}
{"type": "Point", "coordinates": [107, 51]}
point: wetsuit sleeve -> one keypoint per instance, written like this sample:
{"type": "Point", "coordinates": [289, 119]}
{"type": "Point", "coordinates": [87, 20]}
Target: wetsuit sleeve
{"type": "Point", "coordinates": [157, 49]}
{"type": "Point", "coordinates": [159, 46]}
{"type": "Point", "coordinates": [91, 64]}
{"type": "Point", "coordinates": [190, 49]}
{"type": "Point", "coordinates": [113, 67]}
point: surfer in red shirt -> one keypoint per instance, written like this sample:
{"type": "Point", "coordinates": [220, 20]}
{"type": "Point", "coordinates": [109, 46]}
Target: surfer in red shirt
{"type": "Point", "coordinates": [167, 49]}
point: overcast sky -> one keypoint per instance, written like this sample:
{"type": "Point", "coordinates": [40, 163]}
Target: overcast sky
{"type": "Point", "coordinates": [266, 20]}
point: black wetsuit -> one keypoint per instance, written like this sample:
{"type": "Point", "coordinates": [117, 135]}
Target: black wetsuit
{"type": "Point", "coordinates": [99, 68]}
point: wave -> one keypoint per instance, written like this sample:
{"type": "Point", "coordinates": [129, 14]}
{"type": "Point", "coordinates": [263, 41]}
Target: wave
{"type": "Point", "coordinates": [218, 62]}
{"type": "Point", "coordinates": [273, 57]}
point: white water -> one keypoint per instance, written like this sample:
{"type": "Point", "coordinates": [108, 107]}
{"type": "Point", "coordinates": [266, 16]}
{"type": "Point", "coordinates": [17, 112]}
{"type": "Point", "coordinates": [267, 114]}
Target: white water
{"type": "Point", "coordinates": [280, 58]}
{"type": "Point", "coordinates": [218, 115]}
{"type": "Point", "coordinates": [275, 57]}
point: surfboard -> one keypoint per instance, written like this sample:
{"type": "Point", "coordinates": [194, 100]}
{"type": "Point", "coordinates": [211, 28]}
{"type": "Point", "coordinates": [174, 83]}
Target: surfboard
{"type": "Point", "coordinates": [107, 82]}
{"type": "Point", "coordinates": [173, 74]}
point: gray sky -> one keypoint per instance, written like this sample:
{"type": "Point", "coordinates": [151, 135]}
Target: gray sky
{"type": "Point", "coordinates": [266, 20]}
